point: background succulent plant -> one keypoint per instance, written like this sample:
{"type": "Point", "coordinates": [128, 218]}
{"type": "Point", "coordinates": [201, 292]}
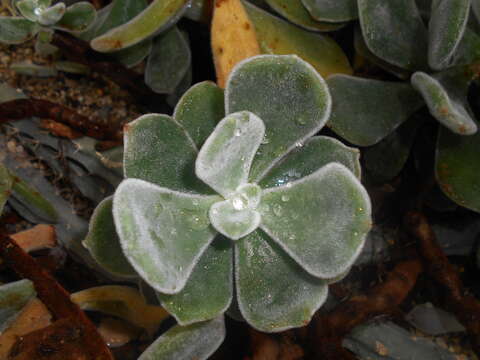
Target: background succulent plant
{"type": "Point", "coordinates": [281, 205]}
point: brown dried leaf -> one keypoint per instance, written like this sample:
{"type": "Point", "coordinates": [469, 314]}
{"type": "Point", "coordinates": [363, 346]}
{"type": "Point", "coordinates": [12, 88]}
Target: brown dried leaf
{"type": "Point", "coordinates": [39, 237]}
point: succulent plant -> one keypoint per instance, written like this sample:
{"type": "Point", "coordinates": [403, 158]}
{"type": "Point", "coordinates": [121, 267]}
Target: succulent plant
{"type": "Point", "coordinates": [262, 205]}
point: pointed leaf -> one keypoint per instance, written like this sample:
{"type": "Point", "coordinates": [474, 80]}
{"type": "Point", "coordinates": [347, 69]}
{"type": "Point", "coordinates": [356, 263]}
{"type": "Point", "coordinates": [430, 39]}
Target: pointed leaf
{"type": "Point", "coordinates": [279, 37]}
{"type": "Point", "coordinates": [192, 342]}
{"type": "Point", "coordinates": [394, 31]}
{"type": "Point", "coordinates": [446, 97]}
{"type": "Point", "coordinates": [294, 11]}
{"type": "Point", "coordinates": [446, 27]}
{"type": "Point", "coordinates": [158, 16]}
{"type": "Point", "coordinates": [168, 62]}
{"type": "Point", "coordinates": [6, 182]}
{"type": "Point", "coordinates": [25, 68]}
{"type": "Point", "coordinates": [274, 293]}
{"type": "Point", "coordinates": [199, 110]}
{"type": "Point", "coordinates": [16, 30]}
{"type": "Point", "coordinates": [287, 94]}
{"type": "Point", "coordinates": [103, 243]}
{"type": "Point", "coordinates": [163, 233]}
{"type": "Point", "coordinates": [332, 10]}
{"type": "Point", "coordinates": [457, 168]}
{"type": "Point", "coordinates": [365, 111]}
{"type": "Point", "coordinates": [158, 150]}
{"type": "Point", "coordinates": [78, 17]}
{"type": "Point", "coordinates": [305, 160]}
{"type": "Point", "coordinates": [224, 160]}
{"type": "Point", "coordinates": [321, 220]}
{"type": "Point", "coordinates": [52, 14]}
{"type": "Point", "coordinates": [194, 303]}
{"type": "Point", "coordinates": [231, 221]}
{"type": "Point", "coordinates": [13, 297]}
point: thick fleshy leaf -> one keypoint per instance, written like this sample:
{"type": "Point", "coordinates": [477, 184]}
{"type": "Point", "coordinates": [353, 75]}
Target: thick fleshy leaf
{"type": "Point", "coordinates": [394, 31]}
{"type": "Point", "coordinates": [476, 8]}
{"type": "Point", "coordinates": [305, 160]}
{"type": "Point", "coordinates": [124, 302]}
{"type": "Point", "coordinates": [16, 30]}
{"type": "Point", "coordinates": [224, 160]}
{"type": "Point", "coordinates": [294, 11]}
{"type": "Point", "coordinates": [168, 62]}
{"type": "Point", "coordinates": [233, 221]}
{"type": "Point", "coordinates": [158, 150]}
{"type": "Point", "coordinates": [457, 168]}
{"type": "Point", "coordinates": [157, 17]}
{"type": "Point", "coordinates": [26, 68]}
{"type": "Point", "coordinates": [320, 220]}
{"type": "Point", "coordinates": [51, 15]}
{"type": "Point", "coordinates": [364, 111]}
{"type": "Point", "coordinates": [6, 182]}
{"type": "Point", "coordinates": [193, 342]}
{"type": "Point", "coordinates": [135, 54]}
{"type": "Point", "coordinates": [287, 94]}
{"type": "Point", "coordinates": [163, 233]}
{"type": "Point", "coordinates": [78, 17]}
{"type": "Point", "coordinates": [468, 50]}
{"type": "Point", "coordinates": [30, 9]}
{"type": "Point", "coordinates": [279, 37]}
{"type": "Point", "coordinates": [446, 97]}
{"type": "Point", "coordinates": [332, 10]}
{"type": "Point", "coordinates": [13, 297]}
{"type": "Point", "coordinates": [199, 110]}
{"type": "Point", "coordinates": [274, 293]}
{"type": "Point", "coordinates": [446, 27]}
{"type": "Point", "coordinates": [214, 270]}
{"type": "Point", "coordinates": [71, 67]}
{"type": "Point", "coordinates": [103, 243]}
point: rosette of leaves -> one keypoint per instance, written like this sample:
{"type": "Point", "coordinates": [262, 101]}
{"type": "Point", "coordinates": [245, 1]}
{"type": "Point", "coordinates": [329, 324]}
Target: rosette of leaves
{"type": "Point", "coordinates": [234, 195]}
{"type": "Point", "coordinates": [433, 48]}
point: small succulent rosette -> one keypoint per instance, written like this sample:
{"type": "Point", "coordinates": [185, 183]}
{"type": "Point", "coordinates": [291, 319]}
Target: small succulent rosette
{"type": "Point", "coordinates": [232, 203]}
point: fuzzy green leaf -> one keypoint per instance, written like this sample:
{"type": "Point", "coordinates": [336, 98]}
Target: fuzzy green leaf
{"type": "Point", "coordinates": [224, 160]}
{"type": "Point", "coordinates": [321, 220]}
{"type": "Point", "coordinates": [200, 109]}
{"type": "Point", "coordinates": [365, 111]}
{"type": "Point", "coordinates": [78, 17]}
{"type": "Point", "coordinates": [51, 15]}
{"type": "Point", "coordinates": [276, 36]}
{"type": "Point", "coordinates": [274, 293]}
{"type": "Point", "coordinates": [305, 160]}
{"type": "Point", "coordinates": [332, 10]}
{"type": "Point", "coordinates": [13, 297]}
{"type": "Point", "coordinates": [6, 182]}
{"type": "Point", "coordinates": [103, 243]}
{"type": "Point", "coordinates": [446, 27]}
{"type": "Point", "coordinates": [231, 221]}
{"type": "Point", "coordinates": [168, 62]}
{"type": "Point", "coordinates": [193, 303]}
{"type": "Point", "coordinates": [31, 9]}
{"type": "Point", "coordinates": [468, 50]}
{"type": "Point", "coordinates": [192, 342]}
{"type": "Point", "coordinates": [294, 11]}
{"type": "Point", "coordinates": [16, 30]}
{"type": "Point", "coordinates": [287, 94]}
{"type": "Point", "coordinates": [163, 233]}
{"type": "Point", "coordinates": [158, 150]}
{"type": "Point", "coordinates": [476, 8]}
{"type": "Point", "coordinates": [394, 31]}
{"type": "Point", "coordinates": [446, 98]}
{"type": "Point", "coordinates": [157, 17]}
{"type": "Point", "coordinates": [457, 168]}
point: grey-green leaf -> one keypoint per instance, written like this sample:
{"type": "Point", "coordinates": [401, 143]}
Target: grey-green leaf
{"type": "Point", "coordinates": [233, 221]}
{"type": "Point", "coordinates": [197, 303]}
{"type": "Point", "coordinates": [78, 17]}
{"type": "Point", "coordinates": [394, 31]}
{"type": "Point", "coordinates": [51, 15]}
{"type": "Point", "coordinates": [224, 160]}
{"type": "Point", "coordinates": [364, 111]}
{"type": "Point", "coordinates": [163, 233]}
{"type": "Point", "coordinates": [158, 150]}
{"type": "Point", "coordinates": [274, 293]}
{"type": "Point", "coordinates": [103, 243]}
{"type": "Point", "coordinates": [305, 160]}
{"type": "Point", "coordinates": [446, 27]}
{"type": "Point", "coordinates": [332, 10]}
{"type": "Point", "coordinates": [30, 9]}
{"type": "Point", "coordinates": [192, 342]}
{"type": "Point", "coordinates": [457, 168]}
{"type": "Point", "coordinates": [287, 94]}
{"type": "Point", "coordinates": [168, 62]}
{"type": "Point", "coordinates": [321, 220]}
{"type": "Point", "coordinates": [199, 110]}
{"type": "Point", "coordinates": [25, 68]}
{"type": "Point", "coordinates": [476, 8]}
{"type": "Point", "coordinates": [13, 297]}
{"type": "Point", "coordinates": [16, 30]}
{"type": "Point", "coordinates": [446, 98]}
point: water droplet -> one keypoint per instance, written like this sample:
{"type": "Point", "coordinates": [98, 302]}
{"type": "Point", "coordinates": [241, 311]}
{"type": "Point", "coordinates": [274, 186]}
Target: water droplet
{"type": "Point", "coordinates": [360, 209]}
{"type": "Point", "coordinates": [292, 237]}
{"type": "Point", "coordinates": [355, 233]}
{"type": "Point", "coordinates": [173, 232]}
{"type": "Point", "coordinates": [278, 210]}
{"type": "Point", "coordinates": [198, 222]}
{"type": "Point", "coordinates": [265, 140]}
{"type": "Point", "coordinates": [298, 144]}
{"type": "Point", "coordinates": [238, 203]}
{"type": "Point", "coordinates": [38, 10]}
{"type": "Point", "coordinates": [237, 132]}
{"type": "Point", "coordinates": [288, 185]}
{"type": "Point", "coordinates": [300, 121]}
{"type": "Point", "coordinates": [285, 198]}
{"type": "Point", "coordinates": [195, 202]}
